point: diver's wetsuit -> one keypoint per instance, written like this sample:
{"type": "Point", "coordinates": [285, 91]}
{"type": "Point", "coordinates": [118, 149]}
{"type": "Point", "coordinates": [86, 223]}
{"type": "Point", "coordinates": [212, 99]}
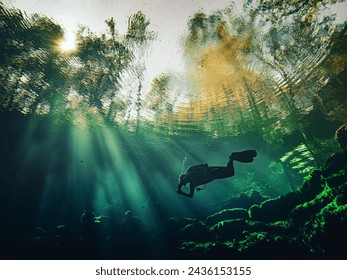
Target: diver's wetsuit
{"type": "Point", "coordinates": [203, 174]}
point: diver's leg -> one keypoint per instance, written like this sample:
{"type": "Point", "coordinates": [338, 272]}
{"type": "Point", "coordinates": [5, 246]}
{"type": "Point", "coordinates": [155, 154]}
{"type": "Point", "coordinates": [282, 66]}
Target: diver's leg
{"type": "Point", "coordinates": [221, 172]}
{"type": "Point", "coordinates": [230, 163]}
{"type": "Point", "coordinates": [244, 156]}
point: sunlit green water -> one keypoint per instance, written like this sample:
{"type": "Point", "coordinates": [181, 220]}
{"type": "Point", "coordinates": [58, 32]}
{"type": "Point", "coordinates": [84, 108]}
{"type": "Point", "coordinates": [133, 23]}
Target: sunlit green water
{"type": "Point", "coordinates": [84, 130]}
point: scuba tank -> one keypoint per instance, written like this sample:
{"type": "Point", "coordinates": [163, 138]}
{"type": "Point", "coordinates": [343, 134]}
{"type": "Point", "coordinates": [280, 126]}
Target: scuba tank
{"type": "Point", "coordinates": [198, 168]}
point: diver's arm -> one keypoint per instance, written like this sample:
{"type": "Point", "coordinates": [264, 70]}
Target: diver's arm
{"type": "Point", "coordinates": [191, 191]}
{"type": "Point", "coordinates": [184, 179]}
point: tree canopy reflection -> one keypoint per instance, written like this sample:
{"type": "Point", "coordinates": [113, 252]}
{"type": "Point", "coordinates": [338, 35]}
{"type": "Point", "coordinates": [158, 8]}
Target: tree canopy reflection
{"type": "Point", "coordinates": [264, 70]}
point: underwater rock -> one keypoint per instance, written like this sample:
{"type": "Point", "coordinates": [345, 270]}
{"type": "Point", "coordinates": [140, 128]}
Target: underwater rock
{"type": "Point", "coordinates": [278, 209]}
{"type": "Point", "coordinates": [62, 232]}
{"type": "Point", "coordinates": [337, 179]}
{"type": "Point", "coordinates": [326, 231]}
{"type": "Point", "coordinates": [178, 223]}
{"type": "Point", "coordinates": [303, 212]}
{"type": "Point", "coordinates": [244, 200]}
{"type": "Point", "coordinates": [87, 218]}
{"type": "Point", "coordinates": [338, 160]}
{"type": "Point", "coordinates": [132, 225]}
{"type": "Point", "coordinates": [311, 187]}
{"type": "Point", "coordinates": [341, 136]}
{"type": "Point", "coordinates": [273, 210]}
{"type": "Point", "coordinates": [91, 229]}
{"type": "Point", "coordinates": [229, 229]}
{"type": "Point", "coordinates": [334, 189]}
{"type": "Point", "coordinates": [106, 224]}
{"type": "Point", "coordinates": [39, 233]}
{"type": "Point", "coordinates": [196, 231]}
{"type": "Point", "coordinates": [275, 228]}
{"type": "Point", "coordinates": [261, 245]}
{"type": "Point", "coordinates": [173, 224]}
{"type": "Point", "coordinates": [335, 163]}
{"type": "Point", "coordinates": [227, 214]}
{"type": "Point", "coordinates": [208, 250]}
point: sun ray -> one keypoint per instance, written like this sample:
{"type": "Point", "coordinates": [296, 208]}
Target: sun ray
{"type": "Point", "coordinates": [68, 43]}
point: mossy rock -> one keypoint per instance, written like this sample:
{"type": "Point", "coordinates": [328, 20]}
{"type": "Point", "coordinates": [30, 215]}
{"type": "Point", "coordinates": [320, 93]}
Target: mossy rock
{"type": "Point", "coordinates": [229, 229]}
{"type": "Point", "coordinates": [277, 209]}
{"type": "Point", "coordinates": [276, 228]}
{"type": "Point", "coordinates": [305, 211]}
{"type": "Point", "coordinates": [208, 250]}
{"type": "Point", "coordinates": [313, 185]}
{"type": "Point", "coordinates": [335, 163]}
{"type": "Point", "coordinates": [244, 200]}
{"type": "Point", "coordinates": [179, 223]}
{"type": "Point", "coordinates": [196, 231]}
{"type": "Point", "coordinates": [326, 232]}
{"type": "Point", "coordinates": [337, 179]}
{"type": "Point", "coordinates": [227, 214]}
{"type": "Point", "coordinates": [261, 245]}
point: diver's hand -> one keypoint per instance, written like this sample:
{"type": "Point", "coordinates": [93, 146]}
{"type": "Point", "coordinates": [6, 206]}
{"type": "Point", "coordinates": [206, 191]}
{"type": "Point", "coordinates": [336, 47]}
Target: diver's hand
{"type": "Point", "coordinates": [180, 185]}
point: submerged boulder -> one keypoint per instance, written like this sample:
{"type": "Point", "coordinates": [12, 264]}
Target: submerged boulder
{"type": "Point", "coordinates": [341, 136]}
{"type": "Point", "coordinates": [244, 200]}
{"type": "Point", "coordinates": [176, 224]}
{"type": "Point", "coordinates": [326, 231]}
{"type": "Point", "coordinates": [208, 250]}
{"type": "Point", "coordinates": [262, 245]}
{"type": "Point", "coordinates": [338, 160]}
{"type": "Point", "coordinates": [229, 229]}
{"type": "Point", "coordinates": [196, 231]}
{"type": "Point", "coordinates": [227, 214]}
{"type": "Point", "coordinates": [278, 209]}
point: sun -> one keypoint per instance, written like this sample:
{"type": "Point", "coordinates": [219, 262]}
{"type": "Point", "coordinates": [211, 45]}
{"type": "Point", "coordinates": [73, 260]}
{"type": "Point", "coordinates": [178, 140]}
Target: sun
{"type": "Point", "coordinates": [68, 43]}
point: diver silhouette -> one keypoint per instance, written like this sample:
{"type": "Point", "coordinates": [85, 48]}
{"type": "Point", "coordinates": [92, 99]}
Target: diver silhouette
{"type": "Point", "coordinates": [202, 174]}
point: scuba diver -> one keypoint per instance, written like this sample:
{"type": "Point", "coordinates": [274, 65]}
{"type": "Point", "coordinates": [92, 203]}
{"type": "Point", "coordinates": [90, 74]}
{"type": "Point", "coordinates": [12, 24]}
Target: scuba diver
{"type": "Point", "coordinates": [202, 174]}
